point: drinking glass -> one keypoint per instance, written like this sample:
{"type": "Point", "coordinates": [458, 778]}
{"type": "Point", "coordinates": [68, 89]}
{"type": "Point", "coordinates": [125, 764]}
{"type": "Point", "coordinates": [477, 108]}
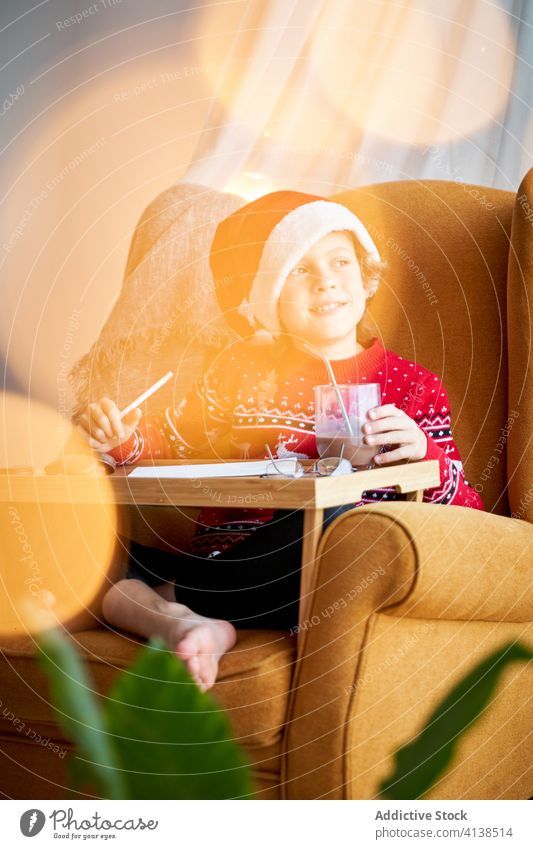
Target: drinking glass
{"type": "Point", "coordinates": [331, 429]}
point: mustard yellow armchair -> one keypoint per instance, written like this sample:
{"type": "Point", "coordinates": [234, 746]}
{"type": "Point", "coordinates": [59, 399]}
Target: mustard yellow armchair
{"type": "Point", "coordinates": [431, 589]}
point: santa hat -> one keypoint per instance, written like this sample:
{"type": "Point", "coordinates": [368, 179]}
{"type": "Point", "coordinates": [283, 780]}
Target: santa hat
{"type": "Point", "coordinates": [256, 246]}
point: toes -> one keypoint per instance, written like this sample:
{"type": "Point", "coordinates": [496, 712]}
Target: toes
{"type": "Point", "coordinates": [203, 671]}
{"type": "Point", "coordinates": [187, 648]}
{"type": "Point", "coordinates": [209, 672]}
{"type": "Point", "coordinates": [198, 640]}
{"type": "Point", "coordinates": [194, 665]}
{"type": "Point", "coordinates": [198, 649]}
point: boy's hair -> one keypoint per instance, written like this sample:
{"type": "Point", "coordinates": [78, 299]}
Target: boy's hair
{"type": "Point", "coordinates": [372, 269]}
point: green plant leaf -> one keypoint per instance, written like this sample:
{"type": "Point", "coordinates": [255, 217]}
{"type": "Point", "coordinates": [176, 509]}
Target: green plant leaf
{"type": "Point", "coordinates": [418, 764]}
{"type": "Point", "coordinates": [173, 741]}
{"type": "Point", "coordinates": [80, 716]}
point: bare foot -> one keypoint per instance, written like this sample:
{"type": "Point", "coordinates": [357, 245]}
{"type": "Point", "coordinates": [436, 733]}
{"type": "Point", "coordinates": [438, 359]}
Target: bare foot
{"type": "Point", "coordinates": [199, 641]}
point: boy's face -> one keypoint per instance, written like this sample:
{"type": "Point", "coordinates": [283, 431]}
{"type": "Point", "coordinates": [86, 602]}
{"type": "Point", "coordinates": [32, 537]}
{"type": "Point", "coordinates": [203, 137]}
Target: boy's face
{"type": "Point", "coordinates": [323, 298]}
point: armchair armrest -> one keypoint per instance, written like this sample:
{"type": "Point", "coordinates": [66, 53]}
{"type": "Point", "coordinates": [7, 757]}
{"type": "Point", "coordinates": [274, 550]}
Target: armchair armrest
{"type": "Point", "coordinates": [424, 561]}
{"type": "Point", "coordinates": [463, 564]}
{"type": "Point", "coordinates": [381, 569]}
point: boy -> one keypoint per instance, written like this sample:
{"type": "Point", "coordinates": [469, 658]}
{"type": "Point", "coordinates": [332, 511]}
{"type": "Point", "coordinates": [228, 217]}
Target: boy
{"type": "Point", "coordinates": [301, 269]}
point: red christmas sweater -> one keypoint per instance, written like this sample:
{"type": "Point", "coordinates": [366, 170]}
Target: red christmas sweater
{"type": "Point", "coordinates": [254, 395]}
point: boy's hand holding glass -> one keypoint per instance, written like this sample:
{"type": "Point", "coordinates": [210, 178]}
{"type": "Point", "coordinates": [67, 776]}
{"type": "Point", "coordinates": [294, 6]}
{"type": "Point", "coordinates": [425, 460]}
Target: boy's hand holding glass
{"type": "Point", "coordinates": [103, 427]}
{"type": "Point", "coordinates": [389, 425]}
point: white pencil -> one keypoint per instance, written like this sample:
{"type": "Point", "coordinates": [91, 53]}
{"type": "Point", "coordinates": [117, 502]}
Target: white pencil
{"type": "Point", "coordinates": [146, 394]}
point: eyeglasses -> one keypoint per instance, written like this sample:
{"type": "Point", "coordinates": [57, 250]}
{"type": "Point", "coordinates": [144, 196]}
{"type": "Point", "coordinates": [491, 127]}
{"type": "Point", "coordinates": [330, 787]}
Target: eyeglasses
{"type": "Point", "coordinates": [292, 468]}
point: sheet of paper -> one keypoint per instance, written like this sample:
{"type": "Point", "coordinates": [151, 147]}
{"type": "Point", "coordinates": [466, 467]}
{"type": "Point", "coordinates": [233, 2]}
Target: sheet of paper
{"type": "Point", "coordinates": [205, 470]}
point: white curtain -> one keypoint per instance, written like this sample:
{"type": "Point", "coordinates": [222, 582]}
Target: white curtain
{"type": "Point", "coordinates": [325, 94]}
{"type": "Point", "coordinates": [103, 111]}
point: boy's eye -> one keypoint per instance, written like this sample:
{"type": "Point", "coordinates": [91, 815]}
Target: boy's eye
{"type": "Point", "coordinates": [299, 269]}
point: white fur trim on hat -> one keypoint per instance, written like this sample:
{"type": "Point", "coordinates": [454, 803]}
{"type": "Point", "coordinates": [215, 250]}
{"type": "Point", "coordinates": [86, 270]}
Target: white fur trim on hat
{"type": "Point", "coordinates": [290, 239]}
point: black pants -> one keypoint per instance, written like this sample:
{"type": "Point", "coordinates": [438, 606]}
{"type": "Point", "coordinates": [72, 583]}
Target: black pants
{"type": "Point", "coordinates": [254, 585]}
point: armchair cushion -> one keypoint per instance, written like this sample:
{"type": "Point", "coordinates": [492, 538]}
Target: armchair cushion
{"type": "Point", "coordinates": [254, 677]}
{"type": "Point", "coordinates": [254, 684]}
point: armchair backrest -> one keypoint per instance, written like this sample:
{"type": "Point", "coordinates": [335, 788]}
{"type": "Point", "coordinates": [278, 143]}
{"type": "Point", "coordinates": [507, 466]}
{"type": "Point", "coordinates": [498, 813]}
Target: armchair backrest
{"type": "Point", "coordinates": [456, 298]}
{"type": "Point", "coordinates": [443, 303]}
{"type": "Point", "coordinates": [520, 324]}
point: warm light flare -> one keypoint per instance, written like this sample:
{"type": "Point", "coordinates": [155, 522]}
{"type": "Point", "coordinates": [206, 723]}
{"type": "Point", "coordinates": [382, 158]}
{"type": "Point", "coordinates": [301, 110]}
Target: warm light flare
{"type": "Point", "coordinates": [55, 558]}
{"type": "Point", "coordinates": [251, 185]}
{"type": "Point", "coordinates": [391, 73]}
{"type": "Point", "coordinates": [73, 191]}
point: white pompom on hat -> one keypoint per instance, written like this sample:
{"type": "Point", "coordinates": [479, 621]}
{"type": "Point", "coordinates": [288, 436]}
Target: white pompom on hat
{"type": "Point", "coordinates": [256, 246]}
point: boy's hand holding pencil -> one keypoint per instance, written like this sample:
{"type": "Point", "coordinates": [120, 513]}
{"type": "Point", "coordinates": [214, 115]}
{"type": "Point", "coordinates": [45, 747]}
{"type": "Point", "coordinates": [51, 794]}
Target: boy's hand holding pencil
{"type": "Point", "coordinates": [103, 426]}
{"type": "Point", "coordinates": [106, 427]}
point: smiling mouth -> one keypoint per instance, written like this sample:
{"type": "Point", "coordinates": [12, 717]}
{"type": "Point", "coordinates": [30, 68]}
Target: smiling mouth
{"type": "Point", "coordinates": [329, 309]}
